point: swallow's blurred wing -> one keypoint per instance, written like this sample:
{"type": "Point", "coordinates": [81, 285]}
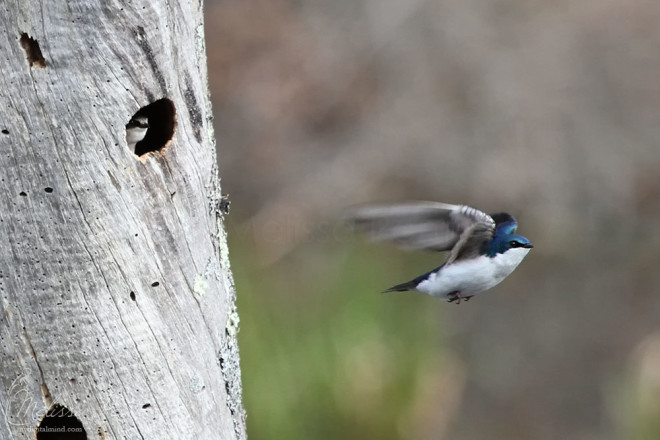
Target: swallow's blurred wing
{"type": "Point", "coordinates": [427, 225]}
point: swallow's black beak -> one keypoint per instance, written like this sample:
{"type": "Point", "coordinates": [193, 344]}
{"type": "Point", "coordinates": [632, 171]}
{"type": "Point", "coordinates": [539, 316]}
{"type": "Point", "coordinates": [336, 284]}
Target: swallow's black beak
{"type": "Point", "coordinates": [528, 245]}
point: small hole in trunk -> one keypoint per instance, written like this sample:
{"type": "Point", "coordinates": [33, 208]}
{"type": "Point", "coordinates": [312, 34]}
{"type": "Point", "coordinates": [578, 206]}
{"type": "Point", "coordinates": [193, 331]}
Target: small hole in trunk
{"type": "Point", "coordinates": [60, 424]}
{"type": "Point", "coordinates": [32, 51]}
{"type": "Point", "coordinates": [151, 128]}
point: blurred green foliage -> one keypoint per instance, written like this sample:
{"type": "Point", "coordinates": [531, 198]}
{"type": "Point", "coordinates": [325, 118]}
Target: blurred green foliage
{"type": "Point", "coordinates": [324, 354]}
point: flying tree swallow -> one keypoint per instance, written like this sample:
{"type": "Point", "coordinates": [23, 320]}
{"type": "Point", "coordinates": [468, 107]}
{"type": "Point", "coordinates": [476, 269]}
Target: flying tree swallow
{"type": "Point", "coordinates": [483, 249]}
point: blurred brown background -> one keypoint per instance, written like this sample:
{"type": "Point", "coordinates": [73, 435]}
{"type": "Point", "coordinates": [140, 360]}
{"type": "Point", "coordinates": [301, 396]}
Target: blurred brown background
{"type": "Point", "coordinates": [548, 109]}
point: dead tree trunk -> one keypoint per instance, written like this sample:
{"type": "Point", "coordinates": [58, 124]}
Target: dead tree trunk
{"type": "Point", "coordinates": [118, 317]}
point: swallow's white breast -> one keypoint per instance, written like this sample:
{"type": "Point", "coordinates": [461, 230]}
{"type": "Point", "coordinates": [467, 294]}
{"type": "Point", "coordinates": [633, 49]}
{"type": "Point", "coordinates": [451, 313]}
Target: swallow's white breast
{"type": "Point", "coordinates": [135, 135]}
{"type": "Point", "coordinates": [472, 276]}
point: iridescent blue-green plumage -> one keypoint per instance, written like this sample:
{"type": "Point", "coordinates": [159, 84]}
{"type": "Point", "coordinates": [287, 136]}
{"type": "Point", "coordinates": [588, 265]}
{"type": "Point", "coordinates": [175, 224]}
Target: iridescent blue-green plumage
{"type": "Point", "coordinates": [504, 237]}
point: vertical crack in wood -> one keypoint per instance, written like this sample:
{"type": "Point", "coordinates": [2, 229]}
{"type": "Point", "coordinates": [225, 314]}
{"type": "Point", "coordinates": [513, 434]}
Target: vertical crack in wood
{"type": "Point", "coordinates": [48, 398]}
{"type": "Point", "coordinates": [194, 111]}
{"type": "Point", "coordinates": [141, 38]}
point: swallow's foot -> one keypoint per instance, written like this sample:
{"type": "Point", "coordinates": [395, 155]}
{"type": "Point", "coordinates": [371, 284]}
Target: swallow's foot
{"type": "Point", "coordinates": [455, 297]}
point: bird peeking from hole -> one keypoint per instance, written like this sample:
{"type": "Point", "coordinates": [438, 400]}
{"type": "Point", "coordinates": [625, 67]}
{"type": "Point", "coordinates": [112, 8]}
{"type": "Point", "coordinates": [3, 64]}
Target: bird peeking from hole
{"type": "Point", "coordinates": [136, 130]}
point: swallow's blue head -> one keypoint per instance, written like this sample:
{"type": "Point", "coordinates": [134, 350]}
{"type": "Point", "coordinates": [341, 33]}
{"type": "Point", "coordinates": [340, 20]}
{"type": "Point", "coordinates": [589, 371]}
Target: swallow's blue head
{"type": "Point", "coordinates": [504, 237]}
{"type": "Point", "coordinates": [503, 242]}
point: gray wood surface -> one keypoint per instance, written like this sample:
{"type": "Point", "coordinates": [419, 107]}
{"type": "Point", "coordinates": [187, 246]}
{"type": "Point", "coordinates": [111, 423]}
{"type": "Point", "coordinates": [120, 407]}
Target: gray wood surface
{"type": "Point", "coordinates": [115, 287]}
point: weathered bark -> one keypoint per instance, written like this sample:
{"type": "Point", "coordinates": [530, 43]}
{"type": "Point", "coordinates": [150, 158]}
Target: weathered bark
{"type": "Point", "coordinates": [115, 287]}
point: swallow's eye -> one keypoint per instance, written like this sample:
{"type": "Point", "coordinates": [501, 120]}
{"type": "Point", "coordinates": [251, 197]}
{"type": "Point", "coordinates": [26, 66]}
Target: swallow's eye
{"type": "Point", "coordinates": [514, 243]}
